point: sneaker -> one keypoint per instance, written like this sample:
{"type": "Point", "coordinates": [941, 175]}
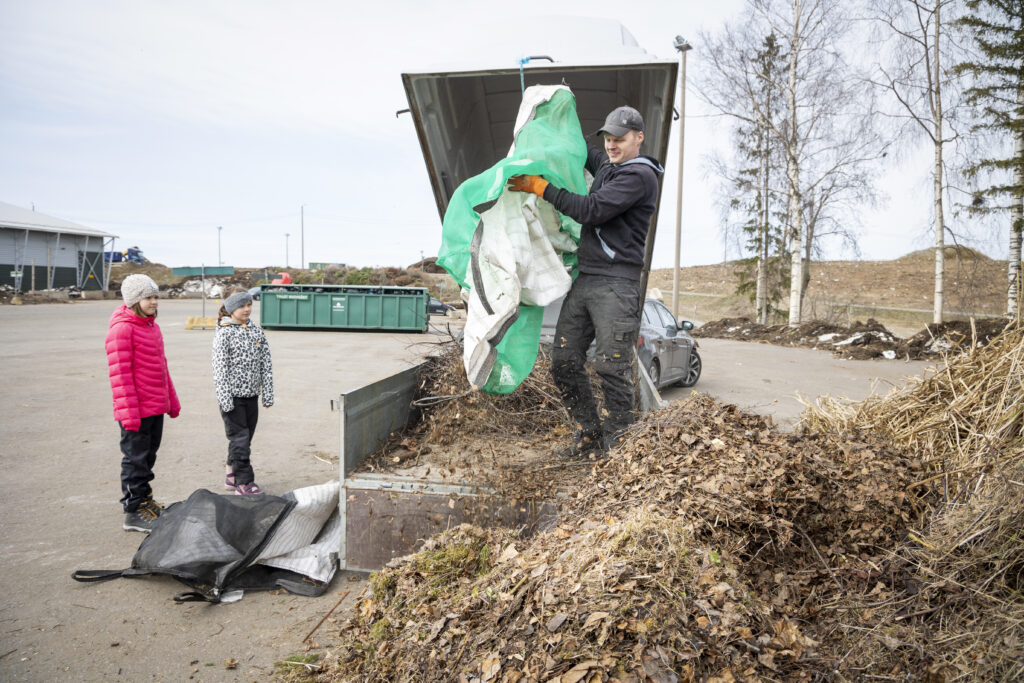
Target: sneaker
{"type": "Point", "coordinates": [229, 478]}
{"type": "Point", "coordinates": [247, 489]}
{"type": "Point", "coordinates": [151, 504]}
{"type": "Point", "coordinates": [142, 519]}
{"type": "Point", "coordinates": [586, 445]}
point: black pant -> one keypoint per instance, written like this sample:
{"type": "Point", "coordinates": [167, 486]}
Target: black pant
{"type": "Point", "coordinates": [240, 425]}
{"type": "Point", "coordinates": [138, 457]}
{"type": "Point", "coordinates": [606, 309]}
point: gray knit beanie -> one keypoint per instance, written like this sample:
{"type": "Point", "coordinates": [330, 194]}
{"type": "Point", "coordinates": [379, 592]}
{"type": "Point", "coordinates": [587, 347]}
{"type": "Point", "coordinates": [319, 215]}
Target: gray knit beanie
{"type": "Point", "coordinates": [137, 287]}
{"type": "Point", "coordinates": [236, 301]}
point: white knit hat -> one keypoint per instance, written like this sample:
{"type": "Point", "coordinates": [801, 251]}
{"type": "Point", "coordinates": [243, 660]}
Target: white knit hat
{"type": "Point", "coordinates": [137, 287]}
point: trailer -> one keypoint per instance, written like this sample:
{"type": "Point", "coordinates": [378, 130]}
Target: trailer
{"type": "Point", "coordinates": [464, 119]}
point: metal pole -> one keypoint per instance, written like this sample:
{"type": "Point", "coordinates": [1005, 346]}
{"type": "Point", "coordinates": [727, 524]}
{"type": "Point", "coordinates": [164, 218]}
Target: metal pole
{"type": "Point", "coordinates": [286, 250]}
{"type": "Point", "coordinates": [681, 45]}
{"type": "Point", "coordinates": [302, 236]}
{"type": "Point", "coordinates": [220, 261]}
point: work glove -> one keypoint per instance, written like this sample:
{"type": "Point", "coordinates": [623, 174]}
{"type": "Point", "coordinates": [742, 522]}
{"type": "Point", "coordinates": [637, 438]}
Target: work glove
{"type": "Point", "coordinates": [528, 183]}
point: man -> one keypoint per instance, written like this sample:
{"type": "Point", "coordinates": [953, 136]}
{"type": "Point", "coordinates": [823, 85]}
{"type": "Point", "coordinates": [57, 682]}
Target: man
{"type": "Point", "coordinates": [604, 301]}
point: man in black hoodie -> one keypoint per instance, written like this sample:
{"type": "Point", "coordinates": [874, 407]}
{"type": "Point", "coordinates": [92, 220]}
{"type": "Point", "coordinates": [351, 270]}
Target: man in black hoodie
{"type": "Point", "coordinates": [604, 301]}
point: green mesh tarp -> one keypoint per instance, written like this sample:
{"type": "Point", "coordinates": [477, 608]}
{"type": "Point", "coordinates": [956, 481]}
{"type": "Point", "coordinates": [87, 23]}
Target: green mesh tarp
{"type": "Point", "coordinates": [550, 145]}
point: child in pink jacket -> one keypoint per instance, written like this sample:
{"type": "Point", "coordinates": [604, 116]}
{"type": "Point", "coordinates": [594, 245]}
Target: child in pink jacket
{"type": "Point", "coordinates": [143, 392]}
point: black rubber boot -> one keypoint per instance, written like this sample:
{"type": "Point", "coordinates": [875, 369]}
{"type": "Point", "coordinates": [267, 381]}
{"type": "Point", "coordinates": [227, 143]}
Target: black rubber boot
{"type": "Point", "coordinates": [584, 445]}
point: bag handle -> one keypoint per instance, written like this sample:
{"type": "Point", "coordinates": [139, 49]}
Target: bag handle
{"type": "Point", "coordinates": [94, 575]}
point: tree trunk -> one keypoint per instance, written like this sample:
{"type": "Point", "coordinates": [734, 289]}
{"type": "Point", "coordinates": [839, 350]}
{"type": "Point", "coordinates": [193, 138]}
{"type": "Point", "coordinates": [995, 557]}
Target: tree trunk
{"type": "Point", "coordinates": [940, 226]}
{"type": "Point", "coordinates": [1013, 293]}
{"type": "Point", "coordinates": [794, 206]}
{"type": "Point", "coordinates": [808, 241]}
{"type": "Point", "coordinates": [761, 300]}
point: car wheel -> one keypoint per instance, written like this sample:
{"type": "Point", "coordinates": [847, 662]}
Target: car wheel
{"type": "Point", "coordinates": [655, 372]}
{"type": "Point", "coordinates": [692, 370]}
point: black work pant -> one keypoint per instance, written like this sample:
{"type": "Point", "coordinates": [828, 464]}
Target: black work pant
{"type": "Point", "coordinates": [239, 426]}
{"type": "Point", "coordinates": [605, 309]}
{"type": "Point", "coordinates": [138, 455]}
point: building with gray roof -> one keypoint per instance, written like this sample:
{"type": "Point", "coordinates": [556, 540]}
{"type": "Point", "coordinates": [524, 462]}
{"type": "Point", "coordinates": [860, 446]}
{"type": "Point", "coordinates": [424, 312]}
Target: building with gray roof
{"type": "Point", "coordinates": [44, 252]}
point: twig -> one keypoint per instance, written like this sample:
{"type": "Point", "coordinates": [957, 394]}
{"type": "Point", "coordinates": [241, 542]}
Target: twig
{"type": "Point", "coordinates": [344, 595]}
{"type": "Point", "coordinates": [311, 667]}
{"type": "Point", "coordinates": [822, 559]}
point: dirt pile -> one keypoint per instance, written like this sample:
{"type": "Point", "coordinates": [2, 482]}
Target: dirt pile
{"type": "Point", "coordinates": [216, 285]}
{"type": "Point", "coordinates": [862, 340]}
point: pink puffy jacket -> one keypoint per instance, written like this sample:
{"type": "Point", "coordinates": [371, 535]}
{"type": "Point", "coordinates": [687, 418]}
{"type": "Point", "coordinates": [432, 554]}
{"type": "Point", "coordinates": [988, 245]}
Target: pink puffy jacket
{"type": "Point", "coordinates": [139, 377]}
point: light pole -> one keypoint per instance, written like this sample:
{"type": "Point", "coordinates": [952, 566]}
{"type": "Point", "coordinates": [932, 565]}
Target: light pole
{"type": "Point", "coordinates": [680, 44]}
{"type": "Point", "coordinates": [220, 261]}
{"type": "Point", "coordinates": [286, 250]}
{"type": "Point", "coordinates": [302, 237]}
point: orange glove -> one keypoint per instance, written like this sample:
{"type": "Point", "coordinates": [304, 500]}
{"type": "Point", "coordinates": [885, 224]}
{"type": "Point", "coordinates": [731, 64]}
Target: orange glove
{"type": "Point", "coordinates": [528, 183]}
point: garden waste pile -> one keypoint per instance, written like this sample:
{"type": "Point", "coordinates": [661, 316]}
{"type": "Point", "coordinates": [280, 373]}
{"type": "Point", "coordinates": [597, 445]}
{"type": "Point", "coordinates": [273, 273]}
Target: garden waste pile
{"type": "Point", "coordinates": [880, 541]}
{"type": "Point", "coordinates": [860, 340]}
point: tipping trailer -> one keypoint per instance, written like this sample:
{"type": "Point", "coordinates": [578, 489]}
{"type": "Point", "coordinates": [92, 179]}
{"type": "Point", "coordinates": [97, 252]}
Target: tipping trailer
{"type": "Point", "coordinates": [464, 119]}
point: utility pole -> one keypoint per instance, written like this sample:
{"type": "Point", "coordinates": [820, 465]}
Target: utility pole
{"type": "Point", "coordinates": [302, 236]}
{"type": "Point", "coordinates": [220, 261]}
{"type": "Point", "coordinates": [286, 250]}
{"type": "Point", "coordinates": [680, 44]}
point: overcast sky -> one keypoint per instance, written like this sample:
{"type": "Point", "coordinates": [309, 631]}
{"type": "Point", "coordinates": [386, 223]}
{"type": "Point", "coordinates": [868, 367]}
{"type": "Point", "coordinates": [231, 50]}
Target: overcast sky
{"type": "Point", "coordinates": [160, 121]}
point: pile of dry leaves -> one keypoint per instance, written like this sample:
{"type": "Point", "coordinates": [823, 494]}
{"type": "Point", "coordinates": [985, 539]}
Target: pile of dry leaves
{"type": "Point", "coordinates": [692, 551]}
{"type": "Point", "coordinates": [881, 542]}
{"type": "Point", "coordinates": [860, 341]}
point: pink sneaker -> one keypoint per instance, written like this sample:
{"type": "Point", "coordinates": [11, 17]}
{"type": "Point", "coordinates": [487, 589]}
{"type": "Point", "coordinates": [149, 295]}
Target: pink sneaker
{"type": "Point", "coordinates": [247, 489]}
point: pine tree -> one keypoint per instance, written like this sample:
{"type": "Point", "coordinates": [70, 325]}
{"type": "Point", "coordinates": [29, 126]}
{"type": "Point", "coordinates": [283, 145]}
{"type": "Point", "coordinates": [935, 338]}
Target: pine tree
{"type": "Point", "coordinates": [764, 275]}
{"type": "Point", "coordinates": [997, 92]}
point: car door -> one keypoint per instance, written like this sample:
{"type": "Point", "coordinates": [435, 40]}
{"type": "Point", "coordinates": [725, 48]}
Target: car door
{"type": "Point", "coordinates": [672, 366]}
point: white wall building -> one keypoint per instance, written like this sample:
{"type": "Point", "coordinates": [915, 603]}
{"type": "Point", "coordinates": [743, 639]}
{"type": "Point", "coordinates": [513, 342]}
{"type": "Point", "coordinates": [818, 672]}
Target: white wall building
{"type": "Point", "coordinates": [43, 252]}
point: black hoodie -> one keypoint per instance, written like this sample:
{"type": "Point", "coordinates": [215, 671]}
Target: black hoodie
{"type": "Point", "coordinates": [615, 215]}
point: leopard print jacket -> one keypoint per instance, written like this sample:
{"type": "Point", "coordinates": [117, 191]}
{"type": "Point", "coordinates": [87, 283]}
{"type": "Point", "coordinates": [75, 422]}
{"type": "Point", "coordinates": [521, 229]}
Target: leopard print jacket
{"type": "Point", "coordinates": [241, 363]}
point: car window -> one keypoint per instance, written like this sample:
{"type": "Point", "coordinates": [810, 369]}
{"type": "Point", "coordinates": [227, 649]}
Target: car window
{"type": "Point", "coordinates": [651, 316]}
{"type": "Point", "coordinates": [667, 320]}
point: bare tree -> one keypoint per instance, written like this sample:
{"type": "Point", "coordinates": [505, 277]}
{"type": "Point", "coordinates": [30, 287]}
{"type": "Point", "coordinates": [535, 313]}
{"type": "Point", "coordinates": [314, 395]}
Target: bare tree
{"type": "Point", "coordinates": [916, 33]}
{"type": "Point", "coordinates": [824, 129]}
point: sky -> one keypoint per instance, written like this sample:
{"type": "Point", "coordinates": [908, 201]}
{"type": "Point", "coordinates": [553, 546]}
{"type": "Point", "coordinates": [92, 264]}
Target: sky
{"type": "Point", "coordinates": [256, 132]}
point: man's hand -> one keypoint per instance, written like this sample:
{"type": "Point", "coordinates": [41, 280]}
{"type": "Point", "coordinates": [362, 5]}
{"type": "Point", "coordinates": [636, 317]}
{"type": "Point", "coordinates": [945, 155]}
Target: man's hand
{"type": "Point", "coordinates": [528, 183]}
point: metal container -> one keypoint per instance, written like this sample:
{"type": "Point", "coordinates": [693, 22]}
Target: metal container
{"type": "Point", "coordinates": [344, 307]}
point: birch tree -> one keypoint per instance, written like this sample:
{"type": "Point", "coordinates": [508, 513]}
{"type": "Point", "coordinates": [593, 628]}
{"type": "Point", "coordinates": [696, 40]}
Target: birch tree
{"type": "Point", "coordinates": [822, 130]}
{"type": "Point", "coordinates": [997, 29]}
{"type": "Point", "coordinates": [917, 35]}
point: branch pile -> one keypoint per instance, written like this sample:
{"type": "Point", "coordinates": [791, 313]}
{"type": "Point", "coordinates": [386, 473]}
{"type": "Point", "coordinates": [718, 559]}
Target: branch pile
{"type": "Point", "coordinates": [964, 559]}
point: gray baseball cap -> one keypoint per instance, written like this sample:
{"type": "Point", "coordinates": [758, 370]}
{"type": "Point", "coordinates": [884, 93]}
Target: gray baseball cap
{"type": "Point", "coordinates": [621, 121]}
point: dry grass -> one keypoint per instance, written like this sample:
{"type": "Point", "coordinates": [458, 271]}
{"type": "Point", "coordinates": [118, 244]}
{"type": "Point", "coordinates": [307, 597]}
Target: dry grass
{"type": "Point", "coordinates": [965, 558]}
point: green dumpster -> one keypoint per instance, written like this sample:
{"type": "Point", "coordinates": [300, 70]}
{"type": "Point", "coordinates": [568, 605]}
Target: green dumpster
{"type": "Point", "coordinates": [344, 307]}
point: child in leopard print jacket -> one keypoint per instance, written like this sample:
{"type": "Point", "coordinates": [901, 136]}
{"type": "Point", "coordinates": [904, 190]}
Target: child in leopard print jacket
{"type": "Point", "coordinates": [241, 374]}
